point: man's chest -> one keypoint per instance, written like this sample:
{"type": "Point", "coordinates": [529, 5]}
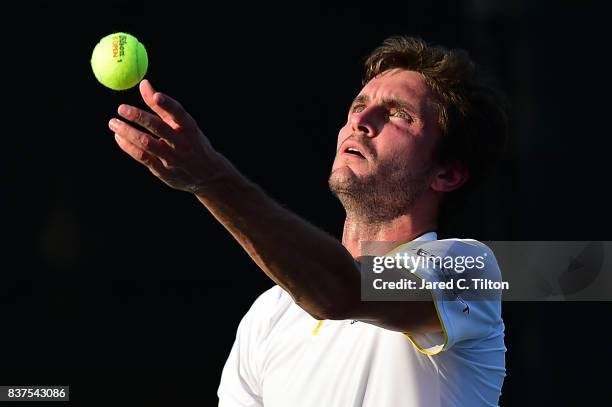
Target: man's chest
{"type": "Point", "coordinates": [340, 361]}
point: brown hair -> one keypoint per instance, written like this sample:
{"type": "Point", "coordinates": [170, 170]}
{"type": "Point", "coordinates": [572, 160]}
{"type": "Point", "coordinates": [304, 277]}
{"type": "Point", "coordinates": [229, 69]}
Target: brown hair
{"type": "Point", "coordinates": [472, 111]}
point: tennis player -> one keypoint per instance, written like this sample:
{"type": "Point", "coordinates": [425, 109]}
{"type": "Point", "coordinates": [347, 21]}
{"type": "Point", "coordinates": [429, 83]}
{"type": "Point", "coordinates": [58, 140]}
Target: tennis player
{"type": "Point", "coordinates": [425, 128]}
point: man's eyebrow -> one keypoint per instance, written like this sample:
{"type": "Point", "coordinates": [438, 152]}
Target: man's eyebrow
{"type": "Point", "coordinates": [361, 99]}
{"type": "Point", "coordinates": [395, 103]}
{"type": "Point", "coordinates": [389, 102]}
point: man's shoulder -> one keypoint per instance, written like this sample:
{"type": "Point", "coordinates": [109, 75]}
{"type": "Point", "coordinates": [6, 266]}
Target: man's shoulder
{"type": "Point", "coordinates": [271, 304]}
{"type": "Point", "coordinates": [454, 247]}
{"type": "Point", "coordinates": [271, 297]}
{"type": "Point", "coordinates": [456, 252]}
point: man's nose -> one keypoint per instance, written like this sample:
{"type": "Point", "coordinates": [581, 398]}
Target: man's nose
{"type": "Point", "coordinates": [366, 122]}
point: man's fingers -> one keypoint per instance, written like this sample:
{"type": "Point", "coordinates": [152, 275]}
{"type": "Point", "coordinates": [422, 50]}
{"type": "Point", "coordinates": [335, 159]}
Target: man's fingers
{"type": "Point", "coordinates": [140, 139]}
{"type": "Point", "coordinates": [149, 121]}
{"type": "Point", "coordinates": [167, 108]}
{"type": "Point", "coordinates": [140, 155]}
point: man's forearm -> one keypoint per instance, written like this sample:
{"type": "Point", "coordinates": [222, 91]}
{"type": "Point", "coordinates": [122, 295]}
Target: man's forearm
{"type": "Point", "coordinates": [312, 266]}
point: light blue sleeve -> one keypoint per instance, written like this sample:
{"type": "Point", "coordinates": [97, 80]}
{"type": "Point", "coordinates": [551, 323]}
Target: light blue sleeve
{"type": "Point", "coordinates": [466, 316]}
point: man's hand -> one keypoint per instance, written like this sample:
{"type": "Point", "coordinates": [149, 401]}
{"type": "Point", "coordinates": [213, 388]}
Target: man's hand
{"type": "Point", "coordinates": [178, 153]}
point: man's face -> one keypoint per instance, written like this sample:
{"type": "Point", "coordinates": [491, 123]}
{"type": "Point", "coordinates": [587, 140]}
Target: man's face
{"type": "Point", "coordinates": [384, 152]}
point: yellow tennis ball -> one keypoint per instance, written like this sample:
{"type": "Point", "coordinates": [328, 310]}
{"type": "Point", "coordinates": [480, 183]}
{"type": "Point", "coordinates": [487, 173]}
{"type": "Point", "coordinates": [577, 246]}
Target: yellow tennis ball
{"type": "Point", "coordinates": [119, 61]}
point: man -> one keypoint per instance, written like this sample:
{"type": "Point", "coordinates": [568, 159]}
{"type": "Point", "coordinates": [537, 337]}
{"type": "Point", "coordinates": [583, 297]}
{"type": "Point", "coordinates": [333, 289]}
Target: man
{"type": "Point", "coordinates": [424, 126]}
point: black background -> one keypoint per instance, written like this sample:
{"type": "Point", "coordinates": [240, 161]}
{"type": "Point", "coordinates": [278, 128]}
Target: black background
{"type": "Point", "coordinates": [130, 292]}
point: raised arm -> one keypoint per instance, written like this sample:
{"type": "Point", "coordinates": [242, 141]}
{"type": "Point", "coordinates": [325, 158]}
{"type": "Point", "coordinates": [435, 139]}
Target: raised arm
{"type": "Point", "coordinates": [312, 266]}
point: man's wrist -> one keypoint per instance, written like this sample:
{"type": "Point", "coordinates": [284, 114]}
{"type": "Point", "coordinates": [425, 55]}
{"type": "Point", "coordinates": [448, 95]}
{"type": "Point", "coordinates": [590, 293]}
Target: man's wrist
{"type": "Point", "coordinates": [220, 175]}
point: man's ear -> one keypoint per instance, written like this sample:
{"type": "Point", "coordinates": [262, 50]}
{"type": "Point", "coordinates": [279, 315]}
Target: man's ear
{"type": "Point", "coordinates": [449, 177]}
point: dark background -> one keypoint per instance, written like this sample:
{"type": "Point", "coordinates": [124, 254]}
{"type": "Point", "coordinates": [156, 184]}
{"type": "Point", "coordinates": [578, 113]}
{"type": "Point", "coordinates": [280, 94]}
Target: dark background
{"type": "Point", "coordinates": [130, 292]}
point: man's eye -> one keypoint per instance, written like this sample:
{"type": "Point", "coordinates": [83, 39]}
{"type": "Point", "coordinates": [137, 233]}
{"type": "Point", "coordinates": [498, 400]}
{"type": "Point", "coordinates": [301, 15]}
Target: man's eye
{"type": "Point", "coordinates": [357, 108]}
{"type": "Point", "coordinates": [402, 115]}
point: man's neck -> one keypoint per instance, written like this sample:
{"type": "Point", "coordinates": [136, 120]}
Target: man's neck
{"type": "Point", "coordinates": [398, 230]}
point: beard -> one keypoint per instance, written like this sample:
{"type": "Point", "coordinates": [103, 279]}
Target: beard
{"type": "Point", "coordinates": [386, 193]}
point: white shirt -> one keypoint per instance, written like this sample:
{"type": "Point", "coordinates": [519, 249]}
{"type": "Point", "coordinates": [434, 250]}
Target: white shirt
{"type": "Point", "coordinates": [283, 357]}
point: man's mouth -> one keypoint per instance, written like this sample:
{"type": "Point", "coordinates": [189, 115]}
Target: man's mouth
{"type": "Point", "coordinates": [354, 151]}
